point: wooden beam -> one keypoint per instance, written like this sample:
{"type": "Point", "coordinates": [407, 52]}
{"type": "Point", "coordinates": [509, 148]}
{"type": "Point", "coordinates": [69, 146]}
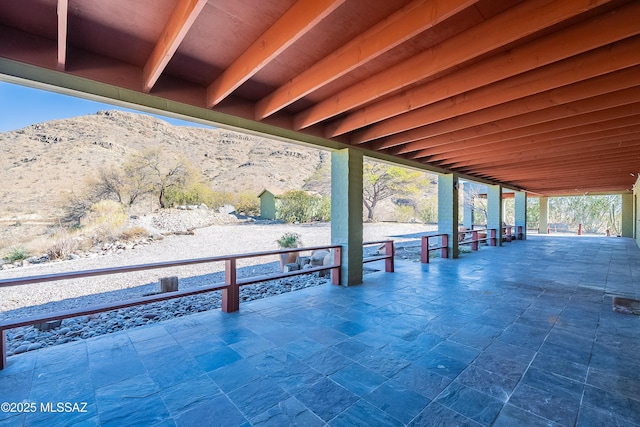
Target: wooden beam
{"type": "Point", "coordinates": [456, 117]}
{"type": "Point", "coordinates": [401, 26]}
{"type": "Point", "coordinates": [569, 71]}
{"type": "Point", "coordinates": [538, 161]}
{"type": "Point", "coordinates": [535, 154]}
{"type": "Point", "coordinates": [603, 150]}
{"type": "Point", "coordinates": [621, 175]}
{"type": "Point", "coordinates": [177, 27]}
{"type": "Point", "coordinates": [565, 48]}
{"type": "Point", "coordinates": [63, 17]}
{"type": "Point", "coordinates": [561, 117]}
{"type": "Point", "coordinates": [583, 128]}
{"type": "Point", "coordinates": [528, 155]}
{"type": "Point", "coordinates": [298, 20]}
{"type": "Point", "coordinates": [517, 22]}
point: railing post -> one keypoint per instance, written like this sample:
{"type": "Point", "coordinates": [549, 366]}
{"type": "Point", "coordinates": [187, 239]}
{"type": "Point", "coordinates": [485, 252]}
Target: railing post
{"type": "Point", "coordinates": [424, 250]}
{"type": "Point", "coordinates": [492, 234]}
{"type": "Point", "coordinates": [336, 273]}
{"type": "Point", "coordinates": [230, 294]}
{"type": "Point", "coordinates": [444, 252]}
{"type": "Point", "coordinates": [3, 348]}
{"type": "Point", "coordinates": [474, 240]}
{"type": "Point", "coordinates": [390, 252]}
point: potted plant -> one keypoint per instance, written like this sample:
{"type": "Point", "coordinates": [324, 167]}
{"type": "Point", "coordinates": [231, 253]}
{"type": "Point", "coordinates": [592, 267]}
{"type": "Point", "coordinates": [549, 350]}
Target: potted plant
{"type": "Point", "coordinates": [286, 241]}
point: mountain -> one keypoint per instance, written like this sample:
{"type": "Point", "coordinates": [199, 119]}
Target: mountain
{"type": "Point", "coordinates": [41, 162]}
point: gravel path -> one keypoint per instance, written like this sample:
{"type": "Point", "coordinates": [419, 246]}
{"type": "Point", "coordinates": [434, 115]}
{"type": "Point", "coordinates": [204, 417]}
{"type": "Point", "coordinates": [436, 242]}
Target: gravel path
{"type": "Point", "coordinates": [20, 301]}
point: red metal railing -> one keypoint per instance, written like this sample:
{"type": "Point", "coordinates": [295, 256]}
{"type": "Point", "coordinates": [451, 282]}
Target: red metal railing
{"type": "Point", "coordinates": [230, 288]}
{"type": "Point", "coordinates": [389, 253]}
{"type": "Point", "coordinates": [443, 246]}
{"type": "Point", "coordinates": [477, 235]}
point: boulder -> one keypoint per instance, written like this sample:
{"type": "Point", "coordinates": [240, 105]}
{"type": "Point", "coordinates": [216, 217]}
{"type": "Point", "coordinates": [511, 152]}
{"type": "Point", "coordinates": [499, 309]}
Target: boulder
{"type": "Point", "coordinates": [317, 257]}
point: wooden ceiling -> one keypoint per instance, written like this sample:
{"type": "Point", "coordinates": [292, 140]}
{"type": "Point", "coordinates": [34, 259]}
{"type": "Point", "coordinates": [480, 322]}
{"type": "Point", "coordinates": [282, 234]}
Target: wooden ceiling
{"type": "Point", "coordinates": [540, 95]}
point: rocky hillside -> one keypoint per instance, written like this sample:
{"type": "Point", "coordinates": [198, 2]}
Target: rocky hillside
{"type": "Point", "coordinates": [41, 162]}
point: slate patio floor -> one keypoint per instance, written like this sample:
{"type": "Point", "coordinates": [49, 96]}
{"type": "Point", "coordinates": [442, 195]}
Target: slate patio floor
{"type": "Point", "coordinates": [522, 335]}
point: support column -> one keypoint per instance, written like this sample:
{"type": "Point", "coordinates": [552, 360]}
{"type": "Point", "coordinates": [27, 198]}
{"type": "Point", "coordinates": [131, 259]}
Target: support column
{"type": "Point", "coordinates": [626, 226]}
{"type": "Point", "coordinates": [346, 212]}
{"type": "Point", "coordinates": [521, 213]}
{"type": "Point", "coordinates": [467, 205]}
{"type": "Point", "coordinates": [543, 223]}
{"type": "Point", "coordinates": [494, 210]}
{"type": "Point", "coordinates": [448, 210]}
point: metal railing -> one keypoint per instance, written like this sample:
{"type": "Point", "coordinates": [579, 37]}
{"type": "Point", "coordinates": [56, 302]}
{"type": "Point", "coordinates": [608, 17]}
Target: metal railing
{"type": "Point", "coordinates": [389, 253]}
{"type": "Point", "coordinates": [230, 288]}
{"type": "Point", "coordinates": [477, 236]}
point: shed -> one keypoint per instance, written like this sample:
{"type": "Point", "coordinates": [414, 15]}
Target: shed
{"type": "Point", "coordinates": [267, 204]}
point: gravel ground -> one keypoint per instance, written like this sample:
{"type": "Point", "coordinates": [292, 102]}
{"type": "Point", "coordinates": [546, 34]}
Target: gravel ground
{"type": "Point", "coordinates": [20, 301]}
{"type": "Point", "coordinates": [28, 300]}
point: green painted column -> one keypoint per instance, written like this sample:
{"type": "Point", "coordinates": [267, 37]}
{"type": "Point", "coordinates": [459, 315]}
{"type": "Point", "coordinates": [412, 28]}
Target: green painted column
{"type": "Point", "coordinates": [543, 224]}
{"type": "Point", "coordinates": [448, 210]}
{"type": "Point", "coordinates": [346, 212]}
{"type": "Point", "coordinates": [494, 210]}
{"type": "Point", "coordinates": [627, 222]}
{"type": "Point", "coordinates": [521, 213]}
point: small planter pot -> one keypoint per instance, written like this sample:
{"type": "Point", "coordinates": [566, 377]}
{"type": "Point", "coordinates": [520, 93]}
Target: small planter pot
{"type": "Point", "coordinates": [288, 258]}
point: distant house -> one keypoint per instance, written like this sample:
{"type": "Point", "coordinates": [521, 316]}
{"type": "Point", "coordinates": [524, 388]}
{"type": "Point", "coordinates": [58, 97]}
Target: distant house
{"type": "Point", "coordinates": [267, 204]}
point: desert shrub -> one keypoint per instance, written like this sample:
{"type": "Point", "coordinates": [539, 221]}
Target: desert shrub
{"type": "Point", "coordinates": [220, 198]}
{"type": "Point", "coordinates": [64, 244]}
{"type": "Point", "coordinates": [300, 206]}
{"type": "Point", "coordinates": [246, 203]}
{"type": "Point", "coordinates": [321, 208]}
{"type": "Point", "coordinates": [405, 213]}
{"type": "Point", "coordinates": [194, 194]}
{"type": "Point", "coordinates": [133, 233]}
{"type": "Point", "coordinates": [289, 240]}
{"type": "Point", "coordinates": [427, 210]}
{"type": "Point", "coordinates": [294, 206]}
{"type": "Point", "coordinates": [17, 254]}
{"type": "Point", "coordinates": [104, 220]}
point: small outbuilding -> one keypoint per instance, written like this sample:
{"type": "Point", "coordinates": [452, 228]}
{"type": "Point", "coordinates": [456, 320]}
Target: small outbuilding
{"type": "Point", "coordinates": [267, 204]}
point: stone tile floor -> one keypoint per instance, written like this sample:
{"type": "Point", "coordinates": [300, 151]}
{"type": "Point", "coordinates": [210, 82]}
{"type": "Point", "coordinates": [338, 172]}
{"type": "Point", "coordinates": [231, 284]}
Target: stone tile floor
{"type": "Point", "coordinates": [519, 335]}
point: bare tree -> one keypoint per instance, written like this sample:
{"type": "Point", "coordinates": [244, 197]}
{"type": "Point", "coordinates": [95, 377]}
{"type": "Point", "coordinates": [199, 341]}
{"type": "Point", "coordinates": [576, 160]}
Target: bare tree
{"type": "Point", "coordinates": [109, 184]}
{"type": "Point", "coordinates": [151, 171]}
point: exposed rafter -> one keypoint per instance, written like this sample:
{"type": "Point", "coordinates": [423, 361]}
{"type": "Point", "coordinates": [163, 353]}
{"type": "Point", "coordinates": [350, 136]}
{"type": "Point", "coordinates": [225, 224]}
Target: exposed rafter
{"type": "Point", "coordinates": [63, 12]}
{"type": "Point", "coordinates": [554, 118]}
{"type": "Point", "coordinates": [179, 23]}
{"type": "Point", "coordinates": [295, 23]}
{"type": "Point", "coordinates": [562, 53]}
{"type": "Point", "coordinates": [606, 91]}
{"type": "Point", "coordinates": [517, 22]}
{"type": "Point", "coordinates": [574, 125]}
{"type": "Point", "coordinates": [532, 151]}
{"type": "Point", "coordinates": [408, 22]}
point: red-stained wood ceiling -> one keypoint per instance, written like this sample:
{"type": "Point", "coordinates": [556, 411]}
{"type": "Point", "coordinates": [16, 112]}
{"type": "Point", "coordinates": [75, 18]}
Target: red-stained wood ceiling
{"type": "Point", "coordinates": [540, 95]}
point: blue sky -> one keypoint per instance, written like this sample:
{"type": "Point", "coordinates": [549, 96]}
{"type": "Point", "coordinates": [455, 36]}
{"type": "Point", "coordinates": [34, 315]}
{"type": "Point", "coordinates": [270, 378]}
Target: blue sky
{"type": "Point", "coordinates": [22, 106]}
